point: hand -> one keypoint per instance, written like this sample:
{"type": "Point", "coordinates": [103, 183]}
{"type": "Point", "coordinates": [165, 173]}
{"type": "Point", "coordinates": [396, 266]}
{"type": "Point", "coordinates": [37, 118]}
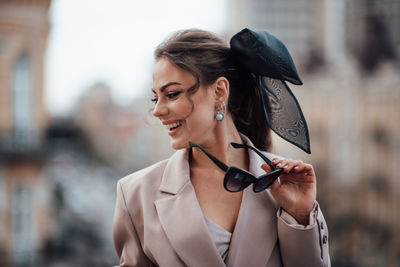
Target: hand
{"type": "Point", "coordinates": [295, 190]}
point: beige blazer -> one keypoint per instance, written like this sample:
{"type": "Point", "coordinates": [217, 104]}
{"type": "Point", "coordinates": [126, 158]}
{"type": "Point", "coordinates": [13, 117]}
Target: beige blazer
{"type": "Point", "coordinates": [158, 222]}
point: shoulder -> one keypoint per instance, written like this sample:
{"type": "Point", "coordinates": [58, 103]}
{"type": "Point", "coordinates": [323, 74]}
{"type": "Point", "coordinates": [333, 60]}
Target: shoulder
{"type": "Point", "coordinates": [145, 179]}
{"type": "Point", "coordinates": [138, 191]}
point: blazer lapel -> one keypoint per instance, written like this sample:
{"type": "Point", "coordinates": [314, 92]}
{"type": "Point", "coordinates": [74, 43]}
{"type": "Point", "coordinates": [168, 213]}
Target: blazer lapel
{"type": "Point", "coordinates": [181, 216]}
{"type": "Point", "coordinates": [255, 234]}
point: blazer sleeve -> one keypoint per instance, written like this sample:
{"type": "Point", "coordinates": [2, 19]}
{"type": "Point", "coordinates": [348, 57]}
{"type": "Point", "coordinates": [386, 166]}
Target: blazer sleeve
{"type": "Point", "coordinates": [304, 247]}
{"type": "Point", "coordinates": [126, 240]}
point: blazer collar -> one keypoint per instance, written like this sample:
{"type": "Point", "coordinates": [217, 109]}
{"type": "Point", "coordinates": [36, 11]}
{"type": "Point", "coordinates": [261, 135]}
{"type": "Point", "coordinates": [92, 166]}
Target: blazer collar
{"type": "Point", "coordinates": [181, 217]}
{"type": "Point", "coordinates": [254, 236]}
{"type": "Point", "coordinates": [176, 173]}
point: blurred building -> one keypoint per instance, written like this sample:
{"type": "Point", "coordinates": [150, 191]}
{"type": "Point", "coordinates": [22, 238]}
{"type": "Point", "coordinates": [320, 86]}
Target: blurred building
{"type": "Point", "coordinates": [56, 194]}
{"type": "Point", "coordinates": [80, 189]}
{"type": "Point", "coordinates": [373, 31]}
{"type": "Point", "coordinates": [297, 23]}
{"type": "Point", "coordinates": [24, 27]}
{"type": "Point", "coordinates": [329, 30]}
{"type": "Point", "coordinates": [354, 122]}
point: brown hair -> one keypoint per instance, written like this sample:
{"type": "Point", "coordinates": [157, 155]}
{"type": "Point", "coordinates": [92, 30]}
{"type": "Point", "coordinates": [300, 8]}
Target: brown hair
{"type": "Point", "coordinates": [208, 57]}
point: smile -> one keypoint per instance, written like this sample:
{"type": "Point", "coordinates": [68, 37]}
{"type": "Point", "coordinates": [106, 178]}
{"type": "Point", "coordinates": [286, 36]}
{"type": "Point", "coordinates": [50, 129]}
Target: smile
{"type": "Point", "coordinates": [174, 125]}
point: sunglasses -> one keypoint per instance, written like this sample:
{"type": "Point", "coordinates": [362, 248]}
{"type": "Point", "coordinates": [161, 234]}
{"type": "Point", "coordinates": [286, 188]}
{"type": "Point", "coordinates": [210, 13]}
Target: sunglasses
{"type": "Point", "coordinates": [237, 179]}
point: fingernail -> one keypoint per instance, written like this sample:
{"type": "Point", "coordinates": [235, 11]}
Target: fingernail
{"type": "Point", "coordinates": [296, 167]}
{"type": "Point", "coordinates": [273, 160]}
{"type": "Point", "coordinates": [286, 166]}
{"type": "Point", "coordinates": [279, 164]}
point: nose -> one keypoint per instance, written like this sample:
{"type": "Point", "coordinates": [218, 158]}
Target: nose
{"type": "Point", "coordinates": [160, 110]}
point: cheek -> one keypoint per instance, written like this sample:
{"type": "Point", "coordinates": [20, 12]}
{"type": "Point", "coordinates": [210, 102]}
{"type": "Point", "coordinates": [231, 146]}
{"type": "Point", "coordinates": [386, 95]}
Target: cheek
{"type": "Point", "coordinates": [206, 115]}
{"type": "Point", "coordinates": [183, 107]}
{"type": "Point", "coordinates": [201, 119]}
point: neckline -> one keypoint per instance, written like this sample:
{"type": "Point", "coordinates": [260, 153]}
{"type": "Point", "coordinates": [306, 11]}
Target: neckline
{"type": "Point", "coordinates": [217, 225]}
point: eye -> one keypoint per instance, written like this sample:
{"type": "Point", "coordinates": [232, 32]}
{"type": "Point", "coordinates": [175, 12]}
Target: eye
{"type": "Point", "coordinates": [172, 95]}
{"type": "Point", "coordinates": [154, 100]}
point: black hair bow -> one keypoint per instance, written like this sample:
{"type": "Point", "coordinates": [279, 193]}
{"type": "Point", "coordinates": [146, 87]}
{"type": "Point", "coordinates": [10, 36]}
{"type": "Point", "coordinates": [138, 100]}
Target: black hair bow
{"type": "Point", "coordinates": [268, 59]}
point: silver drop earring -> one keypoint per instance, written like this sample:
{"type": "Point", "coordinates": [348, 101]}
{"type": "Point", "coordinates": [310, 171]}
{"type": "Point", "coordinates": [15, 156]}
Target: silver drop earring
{"type": "Point", "coordinates": [219, 116]}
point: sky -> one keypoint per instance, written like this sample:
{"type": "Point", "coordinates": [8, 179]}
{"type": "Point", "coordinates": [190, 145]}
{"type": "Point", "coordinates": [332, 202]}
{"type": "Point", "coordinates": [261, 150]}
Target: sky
{"type": "Point", "coordinates": [113, 42]}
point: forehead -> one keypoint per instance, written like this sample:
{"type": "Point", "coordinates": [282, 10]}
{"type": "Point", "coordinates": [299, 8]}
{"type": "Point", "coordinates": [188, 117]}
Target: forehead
{"type": "Point", "coordinates": [166, 72]}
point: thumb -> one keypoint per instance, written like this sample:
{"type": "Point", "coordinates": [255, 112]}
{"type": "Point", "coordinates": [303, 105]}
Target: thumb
{"type": "Point", "coordinates": [266, 168]}
{"type": "Point", "coordinates": [275, 185]}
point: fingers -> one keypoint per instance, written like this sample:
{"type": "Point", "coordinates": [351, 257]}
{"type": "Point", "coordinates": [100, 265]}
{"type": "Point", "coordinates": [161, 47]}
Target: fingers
{"type": "Point", "coordinates": [295, 166]}
{"type": "Point", "coordinates": [275, 184]}
{"type": "Point", "coordinates": [288, 164]}
{"type": "Point", "coordinates": [266, 168]}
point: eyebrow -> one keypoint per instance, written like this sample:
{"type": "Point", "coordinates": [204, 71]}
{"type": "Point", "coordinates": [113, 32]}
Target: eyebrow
{"type": "Point", "coordinates": [162, 89]}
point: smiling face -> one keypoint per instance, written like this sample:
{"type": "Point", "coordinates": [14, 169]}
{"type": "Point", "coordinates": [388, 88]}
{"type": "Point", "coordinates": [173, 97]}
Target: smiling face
{"type": "Point", "coordinates": [188, 117]}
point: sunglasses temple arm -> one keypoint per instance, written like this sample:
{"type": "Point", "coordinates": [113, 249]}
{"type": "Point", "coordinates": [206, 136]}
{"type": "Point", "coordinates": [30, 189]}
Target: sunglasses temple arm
{"type": "Point", "coordinates": [219, 163]}
{"type": "Point", "coordinates": [236, 145]}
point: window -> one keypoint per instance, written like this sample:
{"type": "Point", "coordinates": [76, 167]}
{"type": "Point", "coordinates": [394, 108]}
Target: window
{"type": "Point", "coordinates": [23, 104]}
{"type": "Point", "coordinates": [22, 225]}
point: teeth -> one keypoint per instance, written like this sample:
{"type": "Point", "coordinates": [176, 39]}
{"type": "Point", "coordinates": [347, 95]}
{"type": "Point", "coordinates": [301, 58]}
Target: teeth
{"type": "Point", "coordinates": [173, 125]}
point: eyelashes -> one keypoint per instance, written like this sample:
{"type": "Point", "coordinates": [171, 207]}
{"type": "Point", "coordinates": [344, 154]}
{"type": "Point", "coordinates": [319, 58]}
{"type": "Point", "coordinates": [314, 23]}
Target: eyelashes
{"type": "Point", "coordinates": [170, 96]}
{"type": "Point", "coordinates": [173, 95]}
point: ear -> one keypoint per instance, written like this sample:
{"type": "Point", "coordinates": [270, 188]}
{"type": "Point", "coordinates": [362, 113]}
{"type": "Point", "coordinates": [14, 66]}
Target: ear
{"type": "Point", "coordinates": [221, 89]}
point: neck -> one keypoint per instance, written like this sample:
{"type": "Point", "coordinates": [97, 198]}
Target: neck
{"type": "Point", "coordinates": [218, 145]}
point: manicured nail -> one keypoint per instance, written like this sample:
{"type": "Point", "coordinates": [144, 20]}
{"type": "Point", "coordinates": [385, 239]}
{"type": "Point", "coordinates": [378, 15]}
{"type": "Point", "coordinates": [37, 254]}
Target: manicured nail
{"type": "Point", "coordinates": [286, 166]}
{"type": "Point", "coordinates": [273, 160]}
{"type": "Point", "coordinates": [296, 167]}
{"type": "Point", "coordinates": [279, 164]}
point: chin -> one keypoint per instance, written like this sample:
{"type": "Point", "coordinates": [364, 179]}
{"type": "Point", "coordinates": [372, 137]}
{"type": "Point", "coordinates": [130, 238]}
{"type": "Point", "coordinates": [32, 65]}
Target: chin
{"type": "Point", "coordinates": [176, 144]}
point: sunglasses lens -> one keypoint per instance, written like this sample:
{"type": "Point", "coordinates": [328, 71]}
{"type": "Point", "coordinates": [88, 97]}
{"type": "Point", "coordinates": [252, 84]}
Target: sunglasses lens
{"type": "Point", "coordinates": [236, 180]}
{"type": "Point", "coordinates": [266, 180]}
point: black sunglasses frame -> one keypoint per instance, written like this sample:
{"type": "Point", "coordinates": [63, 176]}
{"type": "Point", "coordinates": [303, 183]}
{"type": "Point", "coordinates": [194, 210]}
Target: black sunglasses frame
{"type": "Point", "coordinates": [265, 180]}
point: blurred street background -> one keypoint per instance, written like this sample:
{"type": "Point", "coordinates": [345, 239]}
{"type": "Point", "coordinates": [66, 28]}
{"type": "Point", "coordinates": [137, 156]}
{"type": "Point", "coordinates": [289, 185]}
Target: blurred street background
{"type": "Point", "coordinates": [75, 89]}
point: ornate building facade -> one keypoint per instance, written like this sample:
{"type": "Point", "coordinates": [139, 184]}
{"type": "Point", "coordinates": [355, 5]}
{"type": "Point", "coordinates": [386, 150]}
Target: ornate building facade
{"type": "Point", "coordinates": [24, 26]}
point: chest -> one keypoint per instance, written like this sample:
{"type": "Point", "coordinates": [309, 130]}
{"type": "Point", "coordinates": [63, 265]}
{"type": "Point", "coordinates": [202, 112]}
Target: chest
{"type": "Point", "coordinates": [217, 204]}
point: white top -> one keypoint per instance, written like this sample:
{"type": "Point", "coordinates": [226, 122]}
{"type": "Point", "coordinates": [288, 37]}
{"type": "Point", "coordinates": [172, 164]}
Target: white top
{"type": "Point", "coordinates": [220, 237]}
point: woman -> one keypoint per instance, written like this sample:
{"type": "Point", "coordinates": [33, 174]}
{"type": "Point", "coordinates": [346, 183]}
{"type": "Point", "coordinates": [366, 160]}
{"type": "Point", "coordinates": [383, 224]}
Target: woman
{"type": "Point", "coordinates": [178, 212]}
